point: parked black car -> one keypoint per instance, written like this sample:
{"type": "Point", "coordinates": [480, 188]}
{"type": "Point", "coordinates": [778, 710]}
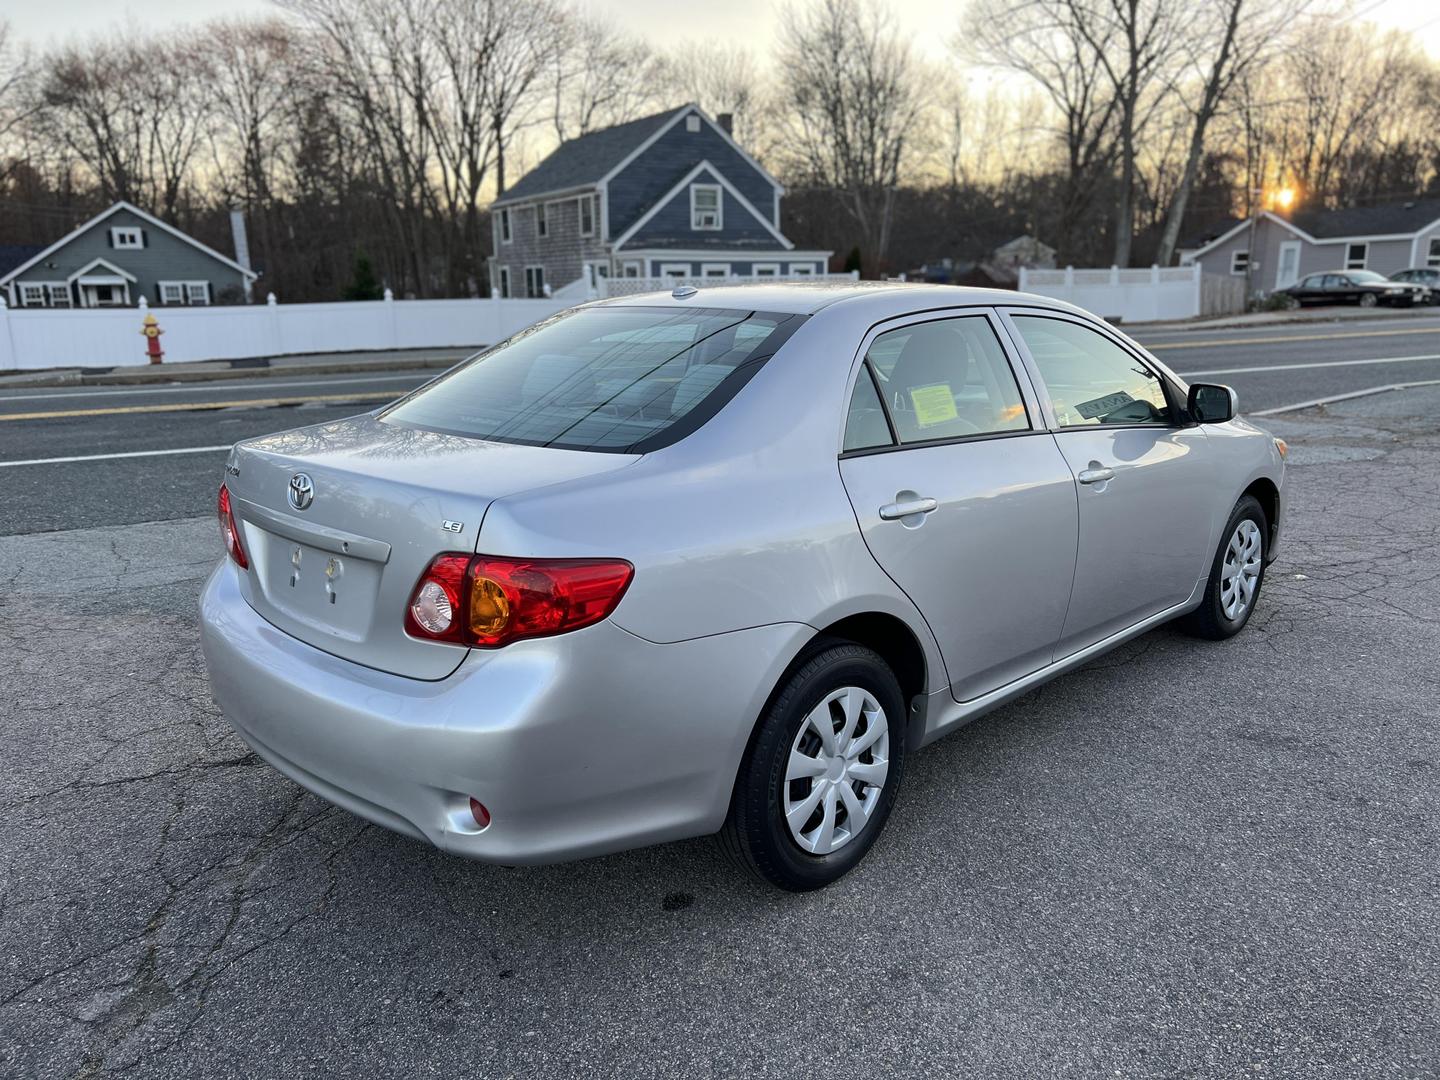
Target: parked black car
{"type": "Point", "coordinates": [1428, 276]}
{"type": "Point", "coordinates": [1363, 287]}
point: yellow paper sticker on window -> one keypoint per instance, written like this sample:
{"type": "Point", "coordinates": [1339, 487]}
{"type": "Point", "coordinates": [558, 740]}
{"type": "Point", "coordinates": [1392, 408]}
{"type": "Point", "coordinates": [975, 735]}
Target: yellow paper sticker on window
{"type": "Point", "coordinates": [934, 404]}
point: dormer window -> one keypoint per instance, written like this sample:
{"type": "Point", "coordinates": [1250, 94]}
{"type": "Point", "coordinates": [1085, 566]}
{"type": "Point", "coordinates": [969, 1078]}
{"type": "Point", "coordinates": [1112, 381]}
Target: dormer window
{"type": "Point", "coordinates": [705, 210]}
{"type": "Point", "coordinates": [127, 238]}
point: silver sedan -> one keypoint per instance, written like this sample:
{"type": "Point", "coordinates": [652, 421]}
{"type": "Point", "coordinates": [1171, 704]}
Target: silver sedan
{"type": "Point", "coordinates": [717, 562]}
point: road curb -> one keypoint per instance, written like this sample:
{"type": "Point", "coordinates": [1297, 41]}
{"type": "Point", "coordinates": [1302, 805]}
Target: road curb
{"type": "Point", "coordinates": [147, 376]}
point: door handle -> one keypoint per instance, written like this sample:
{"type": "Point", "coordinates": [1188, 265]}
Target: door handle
{"type": "Point", "coordinates": [896, 510]}
{"type": "Point", "coordinates": [1095, 476]}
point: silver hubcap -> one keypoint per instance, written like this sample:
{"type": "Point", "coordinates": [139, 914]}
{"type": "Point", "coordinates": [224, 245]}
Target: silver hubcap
{"type": "Point", "coordinates": [837, 767]}
{"type": "Point", "coordinates": [1240, 572]}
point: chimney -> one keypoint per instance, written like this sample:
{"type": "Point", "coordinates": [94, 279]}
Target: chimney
{"type": "Point", "coordinates": [242, 243]}
{"type": "Point", "coordinates": [727, 122]}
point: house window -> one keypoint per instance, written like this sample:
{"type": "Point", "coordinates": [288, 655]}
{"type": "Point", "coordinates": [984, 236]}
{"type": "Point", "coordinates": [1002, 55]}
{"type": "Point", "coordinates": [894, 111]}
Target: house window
{"type": "Point", "coordinates": [1355, 256]}
{"type": "Point", "coordinates": [505, 236]}
{"type": "Point", "coordinates": [535, 282]}
{"type": "Point", "coordinates": [1433, 258]}
{"type": "Point", "coordinates": [32, 295]}
{"type": "Point", "coordinates": [692, 123]}
{"type": "Point", "coordinates": [631, 269]}
{"type": "Point", "coordinates": [58, 293]}
{"type": "Point", "coordinates": [801, 270]}
{"type": "Point", "coordinates": [720, 270]}
{"type": "Point", "coordinates": [504, 283]}
{"type": "Point", "coordinates": [675, 270]}
{"type": "Point", "coordinates": [587, 215]}
{"type": "Point", "coordinates": [127, 237]}
{"type": "Point", "coordinates": [705, 207]}
{"type": "Point", "coordinates": [542, 227]}
{"type": "Point", "coordinates": [177, 293]}
{"type": "Point", "coordinates": [766, 270]}
{"type": "Point", "coordinates": [1239, 262]}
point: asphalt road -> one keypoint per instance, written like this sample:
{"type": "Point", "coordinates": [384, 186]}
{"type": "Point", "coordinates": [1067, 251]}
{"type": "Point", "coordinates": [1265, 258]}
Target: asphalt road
{"type": "Point", "coordinates": [1186, 859]}
{"type": "Point", "coordinates": [1271, 367]}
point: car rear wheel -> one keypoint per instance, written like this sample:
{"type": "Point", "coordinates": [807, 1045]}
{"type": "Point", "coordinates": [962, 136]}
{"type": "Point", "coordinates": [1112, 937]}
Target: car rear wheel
{"type": "Point", "coordinates": [820, 775]}
{"type": "Point", "coordinates": [1235, 576]}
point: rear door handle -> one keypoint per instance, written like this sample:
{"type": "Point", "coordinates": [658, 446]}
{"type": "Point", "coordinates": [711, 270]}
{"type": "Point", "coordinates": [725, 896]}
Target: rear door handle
{"type": "Point", "coordinates": [896, 510]}
{"type": "Point", "coordinates": [1095, 476]}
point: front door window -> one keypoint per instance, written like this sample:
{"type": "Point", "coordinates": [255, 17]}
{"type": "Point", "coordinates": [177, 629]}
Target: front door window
{"type": "Point", "coordinates": [1091, 379]}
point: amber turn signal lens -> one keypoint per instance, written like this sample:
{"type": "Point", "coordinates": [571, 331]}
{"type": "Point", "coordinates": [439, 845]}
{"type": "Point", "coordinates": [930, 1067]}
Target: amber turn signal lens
{"type": "Point", "coordinates": [1282, 446]}
{"type": "Point", "coordinates": [489, 607]}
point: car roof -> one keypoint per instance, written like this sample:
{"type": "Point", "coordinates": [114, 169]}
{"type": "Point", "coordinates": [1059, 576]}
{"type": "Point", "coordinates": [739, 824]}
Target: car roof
{"type": "Point", "coordinates": [884, 298]}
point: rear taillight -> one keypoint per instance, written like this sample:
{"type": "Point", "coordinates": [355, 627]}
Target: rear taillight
{"type": "Point", "coordinates": [487, 602]}
{"type": "Point", "coordinates": [230, 530]}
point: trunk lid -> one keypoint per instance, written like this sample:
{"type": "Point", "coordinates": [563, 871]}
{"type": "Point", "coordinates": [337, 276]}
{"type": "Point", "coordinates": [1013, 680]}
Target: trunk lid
{"type": "Point", "coordinates": [384, 500]}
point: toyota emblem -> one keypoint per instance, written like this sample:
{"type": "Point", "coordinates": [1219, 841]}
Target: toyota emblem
{"type": "Point", "coordinates": [302, 491]}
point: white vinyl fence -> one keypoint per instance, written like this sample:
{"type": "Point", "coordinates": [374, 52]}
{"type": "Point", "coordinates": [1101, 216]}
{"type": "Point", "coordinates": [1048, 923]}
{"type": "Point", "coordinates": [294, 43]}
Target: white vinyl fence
{"type": "Point", "coordinates": [38, 338]}
{"type": "Point", "coordinates": [1159, 293]}
{"type": "Point", "coordinates": [32, 339]}
{"type": "Point", "coordinates": [623, 286]}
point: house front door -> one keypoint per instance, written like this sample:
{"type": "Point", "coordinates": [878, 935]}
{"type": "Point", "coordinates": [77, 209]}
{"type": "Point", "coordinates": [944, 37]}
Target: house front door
{"type": "Point", "coordinates": [1287, 266]}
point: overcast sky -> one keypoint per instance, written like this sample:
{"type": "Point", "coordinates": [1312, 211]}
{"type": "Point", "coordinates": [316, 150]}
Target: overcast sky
{"type": "Point", "coordinates": [749, 22]}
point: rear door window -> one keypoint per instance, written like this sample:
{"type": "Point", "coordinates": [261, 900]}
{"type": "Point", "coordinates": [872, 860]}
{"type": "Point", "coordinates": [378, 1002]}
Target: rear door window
{"type": "Point", "coordinates": [946, 379]}
{"type": "Point", "coordinates": [622, 379]}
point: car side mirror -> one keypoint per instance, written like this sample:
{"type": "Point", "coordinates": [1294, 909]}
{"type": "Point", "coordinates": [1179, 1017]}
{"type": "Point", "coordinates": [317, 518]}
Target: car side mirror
{"type": "Point", "coordinates": [1211, 403]}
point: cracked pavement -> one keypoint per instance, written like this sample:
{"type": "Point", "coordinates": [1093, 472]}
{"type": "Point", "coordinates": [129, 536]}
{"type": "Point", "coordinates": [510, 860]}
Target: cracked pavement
{"type": "Point", "coordinates": [1186, 859]}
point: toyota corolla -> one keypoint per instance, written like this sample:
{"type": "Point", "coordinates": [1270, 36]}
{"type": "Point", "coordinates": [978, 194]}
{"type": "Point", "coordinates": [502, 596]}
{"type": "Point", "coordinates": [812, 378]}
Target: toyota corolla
{"type": "Point", "coordinates": [717, 562]}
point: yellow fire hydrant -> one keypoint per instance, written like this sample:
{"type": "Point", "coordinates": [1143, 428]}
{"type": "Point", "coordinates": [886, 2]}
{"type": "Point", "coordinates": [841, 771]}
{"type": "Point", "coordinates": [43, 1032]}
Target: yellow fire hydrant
{"type": "Point", "coordinates": [152, 333]}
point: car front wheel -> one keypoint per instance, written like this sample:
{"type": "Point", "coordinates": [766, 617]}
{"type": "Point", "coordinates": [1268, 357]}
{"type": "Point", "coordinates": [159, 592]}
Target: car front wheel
{"type": "Point", "coordinates": [820, 775]}
{"type": "Point", "coordinates": [1368, 299]}
{"type": "Point", "coordinates": [1235, 576]}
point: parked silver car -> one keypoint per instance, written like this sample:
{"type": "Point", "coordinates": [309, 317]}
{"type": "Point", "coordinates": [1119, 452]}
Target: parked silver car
{"type": "Point", "coordinates": [687, 563]}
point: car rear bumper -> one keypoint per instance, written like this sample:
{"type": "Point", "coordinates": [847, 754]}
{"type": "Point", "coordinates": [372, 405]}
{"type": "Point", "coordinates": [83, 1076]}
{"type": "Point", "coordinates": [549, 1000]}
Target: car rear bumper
{"type": "Point", "coordinates": [578, 745]}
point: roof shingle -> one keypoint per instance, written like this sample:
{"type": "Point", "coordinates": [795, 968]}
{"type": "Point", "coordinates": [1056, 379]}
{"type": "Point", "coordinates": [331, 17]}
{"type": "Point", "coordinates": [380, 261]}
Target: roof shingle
{"type": "Point", "coordinates": [585, 160]}
{"type": "Point", "coordinates": [1399, 217]}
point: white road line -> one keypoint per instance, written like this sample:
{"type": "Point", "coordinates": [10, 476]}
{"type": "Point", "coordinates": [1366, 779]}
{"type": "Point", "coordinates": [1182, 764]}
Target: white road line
{"type": "Point", "coordinates": [1334, 398]}
{"type": "Point", "coordinates": [1315, 364]}
{"type": "Point", "coordinates": [112, 457]}
{"type": "Point", "coordinates": [210, 386]}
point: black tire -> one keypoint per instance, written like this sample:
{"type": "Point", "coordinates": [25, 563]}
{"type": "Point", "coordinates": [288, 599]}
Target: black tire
{"type": "Point", "coordinates": [1368, 299]}
{"type": "Point", "coordinates": [755, 834]}
{"type": "Point", "coordinates": [1209, 619]}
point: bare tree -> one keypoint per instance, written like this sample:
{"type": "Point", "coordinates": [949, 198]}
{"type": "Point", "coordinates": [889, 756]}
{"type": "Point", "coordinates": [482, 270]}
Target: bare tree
{"type": "Point", "coordinates": [720, 78]}
{"type": "Point", "coordinates": [1227, 39]}
{"type": "Point", "coordinates": [600, 77]}
{"type": "Point", "coordinates": [523, 54]}
{"type": "Point", "coordinates": [16, 100]}
{"type": "Point", "coordinates": [139, 147]}
{"type": "Point", "coordinates": [1045, 41]}
{"type": "Point", "coordinates": [854, 102]}
{"type": "Point", "coordinates": [1134, 42]}
{"type": "Point", "coordinates": [252, 71]}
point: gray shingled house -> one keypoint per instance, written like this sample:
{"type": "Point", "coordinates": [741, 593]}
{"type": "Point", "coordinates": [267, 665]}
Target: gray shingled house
{"type": "Point", "coordinates": [119, 256]}
{"type": "Point", "coordinates": [1395, 236]}
{"type": "Point", "coordinates": [669, 195]}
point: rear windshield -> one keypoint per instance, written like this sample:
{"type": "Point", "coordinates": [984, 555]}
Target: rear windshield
{"type": "Point", "coordinates": [622, 379]}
